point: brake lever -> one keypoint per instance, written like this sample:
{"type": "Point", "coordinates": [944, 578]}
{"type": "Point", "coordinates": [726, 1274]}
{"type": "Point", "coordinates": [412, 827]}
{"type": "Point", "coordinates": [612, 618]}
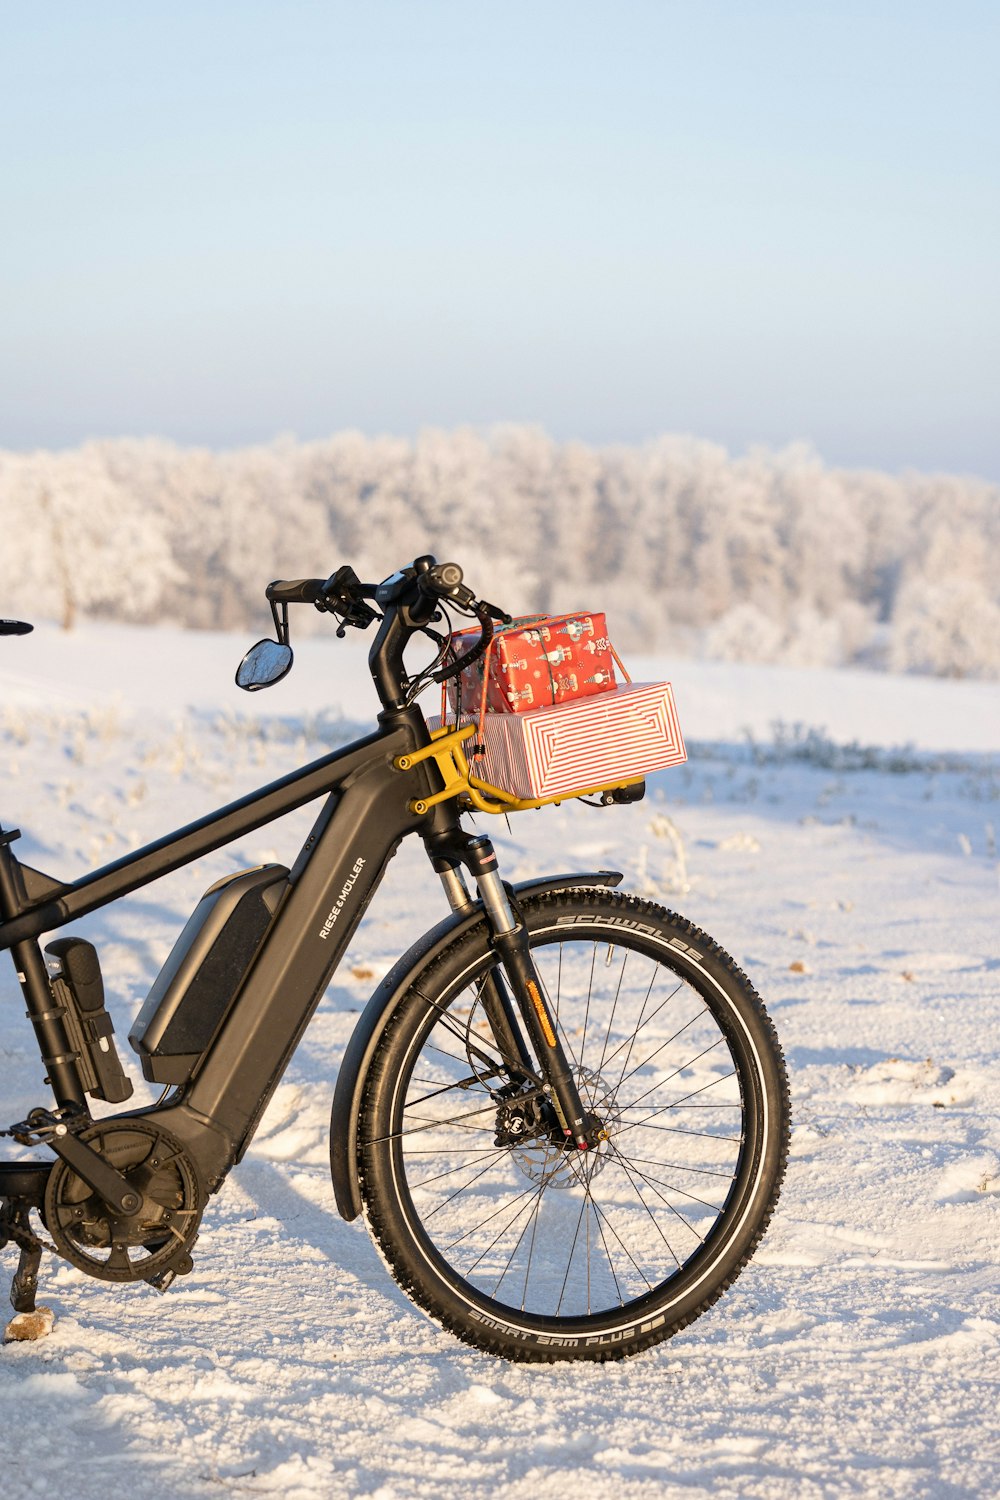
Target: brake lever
{"type": "Point", "coordinates": [338, 597]}
{"type": "Point", "coordinates": [351, 612]}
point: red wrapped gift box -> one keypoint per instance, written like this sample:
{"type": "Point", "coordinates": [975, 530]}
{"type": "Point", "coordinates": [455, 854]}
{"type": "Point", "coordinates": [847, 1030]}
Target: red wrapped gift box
{"type": "Point", "coordinates": [580, 746]}
{"type": "Point", "coordinates": [536, 662]}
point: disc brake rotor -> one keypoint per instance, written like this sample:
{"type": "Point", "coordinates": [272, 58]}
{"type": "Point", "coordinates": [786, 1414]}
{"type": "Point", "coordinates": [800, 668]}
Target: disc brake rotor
{"type": "Point", "coordinates": [557, 1163]}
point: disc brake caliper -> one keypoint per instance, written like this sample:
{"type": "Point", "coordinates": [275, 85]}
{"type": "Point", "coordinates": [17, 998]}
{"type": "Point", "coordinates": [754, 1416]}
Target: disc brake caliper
{"type": "Point", "coordinates": [526, 1115]}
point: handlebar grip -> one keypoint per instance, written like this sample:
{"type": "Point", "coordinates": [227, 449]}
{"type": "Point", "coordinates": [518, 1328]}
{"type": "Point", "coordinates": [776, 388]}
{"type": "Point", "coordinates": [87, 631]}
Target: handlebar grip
{"type": "Point", "coordinates": [295, 590]}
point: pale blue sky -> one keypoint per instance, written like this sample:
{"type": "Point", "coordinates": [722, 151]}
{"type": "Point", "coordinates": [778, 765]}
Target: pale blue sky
{"type": "Point", "coordinates": [750, 221]}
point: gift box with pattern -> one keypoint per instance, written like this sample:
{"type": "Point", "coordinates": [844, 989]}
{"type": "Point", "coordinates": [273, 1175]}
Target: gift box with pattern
{"type": "Point", "coordinates": [536, 662]}
{"type": "Point", "coordinates": [582, 745]}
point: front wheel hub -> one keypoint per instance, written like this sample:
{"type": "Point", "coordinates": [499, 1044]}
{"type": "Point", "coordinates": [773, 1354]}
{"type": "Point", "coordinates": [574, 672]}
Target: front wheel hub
{"type": "Point", "coordinates": [529, 1128]}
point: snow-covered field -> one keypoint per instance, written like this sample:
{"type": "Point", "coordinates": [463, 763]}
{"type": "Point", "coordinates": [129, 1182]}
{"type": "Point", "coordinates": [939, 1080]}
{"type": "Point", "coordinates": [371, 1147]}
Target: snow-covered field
{"type": "Point", "coordinates": [859, 1354]}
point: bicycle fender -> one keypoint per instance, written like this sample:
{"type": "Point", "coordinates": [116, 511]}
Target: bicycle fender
{"type": "Point", "coordinates": [377, 1013]}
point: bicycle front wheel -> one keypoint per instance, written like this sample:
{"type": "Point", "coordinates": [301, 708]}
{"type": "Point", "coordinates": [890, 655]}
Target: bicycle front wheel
{"type": "Point", "coordinates": [514, 1240]}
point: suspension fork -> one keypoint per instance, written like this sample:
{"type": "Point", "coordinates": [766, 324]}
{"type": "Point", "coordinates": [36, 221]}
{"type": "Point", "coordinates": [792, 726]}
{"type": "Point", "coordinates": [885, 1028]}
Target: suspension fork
{"type": "Point", "coordinates": [493, 994]}
{"type": "Point", "coordinates": [510, 941]}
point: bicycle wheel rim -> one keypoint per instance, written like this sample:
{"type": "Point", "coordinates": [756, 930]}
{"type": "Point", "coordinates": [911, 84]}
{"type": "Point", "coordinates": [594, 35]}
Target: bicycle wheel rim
{"type": "Point", "coordinates": [680, 1278]}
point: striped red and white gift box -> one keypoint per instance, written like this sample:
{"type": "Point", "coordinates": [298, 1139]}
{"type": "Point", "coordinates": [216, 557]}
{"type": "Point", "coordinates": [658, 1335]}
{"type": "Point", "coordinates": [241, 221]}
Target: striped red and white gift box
{"type": "Point", "coordinates": [588, 743]}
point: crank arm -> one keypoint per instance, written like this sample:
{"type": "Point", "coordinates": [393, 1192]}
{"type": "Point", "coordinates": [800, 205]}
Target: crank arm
{"type": "Point", "coordinates": [108, 1184]}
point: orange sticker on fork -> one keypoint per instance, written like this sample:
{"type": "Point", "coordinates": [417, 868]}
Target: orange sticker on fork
{"type": "Point", "coordinates": [541, 1012]}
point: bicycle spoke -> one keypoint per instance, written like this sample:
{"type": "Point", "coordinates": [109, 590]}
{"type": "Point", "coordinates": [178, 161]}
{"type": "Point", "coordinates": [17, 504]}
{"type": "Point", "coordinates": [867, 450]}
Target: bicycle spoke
{"type": "Point", "coordinates": [463, 1061]}
{"type": "Point", "coordinates": [602, 1215]}
{"type": "Point", "coordinates": [517, 1245]}
{"type": "Point", "coordinates": [528, 1192]}
{"type": "Point", "coordinates": [559, 984]}
{"type": "Point", "coordinates": [512, 1064]}
{"type": "Point", "coordinates": [614, 1007]}
{"type": "Point", "coordinates": [734, 1105]}
{"type": "Point", "coordinates": [562, 1029]}
{"type": "Point", "coordinates": [533, 1221]}
{"type": "Point", "coordinates": [649, 1211]}
{"type": "Point", "coordinates": [452, 1146]}
{"type": "Point", "coordinates": [536, 1194]}
{"type": "Point", "coordinates": [480, 1155]}
{"type": "Point", "coordinates": [701, 1089]}
{"type": "Point", "coordinates": [455, 1122]}
{"type": "Point", "coordinates": [630, 1041]}
{"type": "Point", "coordinates": [588, 1256]}
{"type": "Point", "coordinates": [572, 1248]}
{"type": "Point", "coordinates": [663, 1110]}
{"type": "Point", "coordinates": [675, 1166]}
{"type": "Point", "coordinates": [660, 1048]}
{"type": "Point", "coordinates": [465, 1185]}
{"type": "Point", "coordinates": [586, 1014]}
{"type": "Point", "coordinates": [663, 1200]}
{"type": "Point", "coordinates": [704, 1135]}
{"type": "Point", "coordinates": [496, 1240]}
{"type": "Point", "coordinates": [461, 1083]}
{"type": "Point", "coordinates": [628, 1163]}
{"type": "Point", "coordinates": [607, 1252]}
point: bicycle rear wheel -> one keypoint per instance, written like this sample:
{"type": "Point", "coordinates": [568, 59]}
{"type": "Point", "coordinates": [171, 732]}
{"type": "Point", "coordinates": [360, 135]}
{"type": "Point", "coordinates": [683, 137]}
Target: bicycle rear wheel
{"type": "Point", "coordinates": [535, 1251]}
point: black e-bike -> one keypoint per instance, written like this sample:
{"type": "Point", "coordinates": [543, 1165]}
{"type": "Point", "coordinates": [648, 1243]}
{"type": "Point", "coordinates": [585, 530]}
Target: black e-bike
{"type": "Point", "coordinates": [564, 1111]}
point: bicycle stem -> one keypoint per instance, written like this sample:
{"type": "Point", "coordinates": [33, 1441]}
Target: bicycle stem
{"type": "Point", "coordinates": [510, 940]}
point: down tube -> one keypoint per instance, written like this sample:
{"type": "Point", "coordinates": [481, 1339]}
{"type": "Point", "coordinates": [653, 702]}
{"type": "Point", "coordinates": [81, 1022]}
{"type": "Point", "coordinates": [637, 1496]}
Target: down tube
{"type": "Point", "coordinates": [219, 1110]}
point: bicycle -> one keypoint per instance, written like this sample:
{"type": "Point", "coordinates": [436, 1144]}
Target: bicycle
{"type": "Point", "coordinates": [563, 1112]}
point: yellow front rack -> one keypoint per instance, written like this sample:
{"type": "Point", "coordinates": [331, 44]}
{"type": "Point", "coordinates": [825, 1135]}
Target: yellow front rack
{"type": "Point", "coordinates": [446, 751]}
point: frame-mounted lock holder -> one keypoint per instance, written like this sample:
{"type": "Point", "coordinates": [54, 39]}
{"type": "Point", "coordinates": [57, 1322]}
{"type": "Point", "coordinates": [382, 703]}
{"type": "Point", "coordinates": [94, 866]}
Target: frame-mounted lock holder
{"type": "Point", "coordinates": [78, 994]}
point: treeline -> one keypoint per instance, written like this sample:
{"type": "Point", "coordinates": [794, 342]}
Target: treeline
{"type": "Point", "coordinates": [771, 556]}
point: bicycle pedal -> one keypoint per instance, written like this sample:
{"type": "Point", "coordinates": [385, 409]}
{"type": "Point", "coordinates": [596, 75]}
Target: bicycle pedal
{"type": "Point", "coordinates": [166, 1278]}
{"type": "Point", "coordinates": [25, 1327]}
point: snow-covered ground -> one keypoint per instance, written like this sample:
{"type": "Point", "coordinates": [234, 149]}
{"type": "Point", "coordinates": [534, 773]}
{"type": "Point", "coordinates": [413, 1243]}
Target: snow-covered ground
{"type": "Point", "coordinates": [859, 1354]}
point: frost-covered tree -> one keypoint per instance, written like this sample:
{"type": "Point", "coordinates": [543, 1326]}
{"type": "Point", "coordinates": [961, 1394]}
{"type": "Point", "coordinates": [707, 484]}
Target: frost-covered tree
{"type": "Point", "coordinates": [769, 555]}
{"type": "Point", "coordinates": [947, 626]}
{"type": "Point", "coordinates": [76, 541]}
{"type": "Point", "coordinates": [745, 633]}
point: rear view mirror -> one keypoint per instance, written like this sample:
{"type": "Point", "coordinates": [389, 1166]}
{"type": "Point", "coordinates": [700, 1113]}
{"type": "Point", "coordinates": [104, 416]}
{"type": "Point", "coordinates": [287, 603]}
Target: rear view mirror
{"type": "Point", "coordinates": [264, 664]}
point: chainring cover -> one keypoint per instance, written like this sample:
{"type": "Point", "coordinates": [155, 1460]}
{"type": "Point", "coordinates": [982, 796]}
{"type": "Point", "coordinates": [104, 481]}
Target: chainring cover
{"type": "Point", "coordinates": [136, 1247]}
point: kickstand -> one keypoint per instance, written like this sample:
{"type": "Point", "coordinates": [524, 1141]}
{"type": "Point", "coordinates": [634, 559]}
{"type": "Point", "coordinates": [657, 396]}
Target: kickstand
{"type": "Point", "coordinates": [29, 1322]}
{"type": "Point", "coordinates": [25, 1283]}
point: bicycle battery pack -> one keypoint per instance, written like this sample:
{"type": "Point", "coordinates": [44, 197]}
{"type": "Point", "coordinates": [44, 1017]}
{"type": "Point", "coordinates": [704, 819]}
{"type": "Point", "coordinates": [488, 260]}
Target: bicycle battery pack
{"type": "Point", "coordinates": [193, 992]}
{"type": "Point", "coordinates": [78, 993]}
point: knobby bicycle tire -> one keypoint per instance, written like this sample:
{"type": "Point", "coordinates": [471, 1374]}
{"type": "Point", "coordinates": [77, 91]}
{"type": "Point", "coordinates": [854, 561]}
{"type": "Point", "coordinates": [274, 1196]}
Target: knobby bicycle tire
{"type": "Point", "coordinates": [532, 1251]}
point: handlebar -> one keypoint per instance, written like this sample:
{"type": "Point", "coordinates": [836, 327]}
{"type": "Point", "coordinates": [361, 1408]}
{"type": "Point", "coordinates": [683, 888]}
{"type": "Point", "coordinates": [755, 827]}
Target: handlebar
{"type": "Point", "coordinates": [409, 600]}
